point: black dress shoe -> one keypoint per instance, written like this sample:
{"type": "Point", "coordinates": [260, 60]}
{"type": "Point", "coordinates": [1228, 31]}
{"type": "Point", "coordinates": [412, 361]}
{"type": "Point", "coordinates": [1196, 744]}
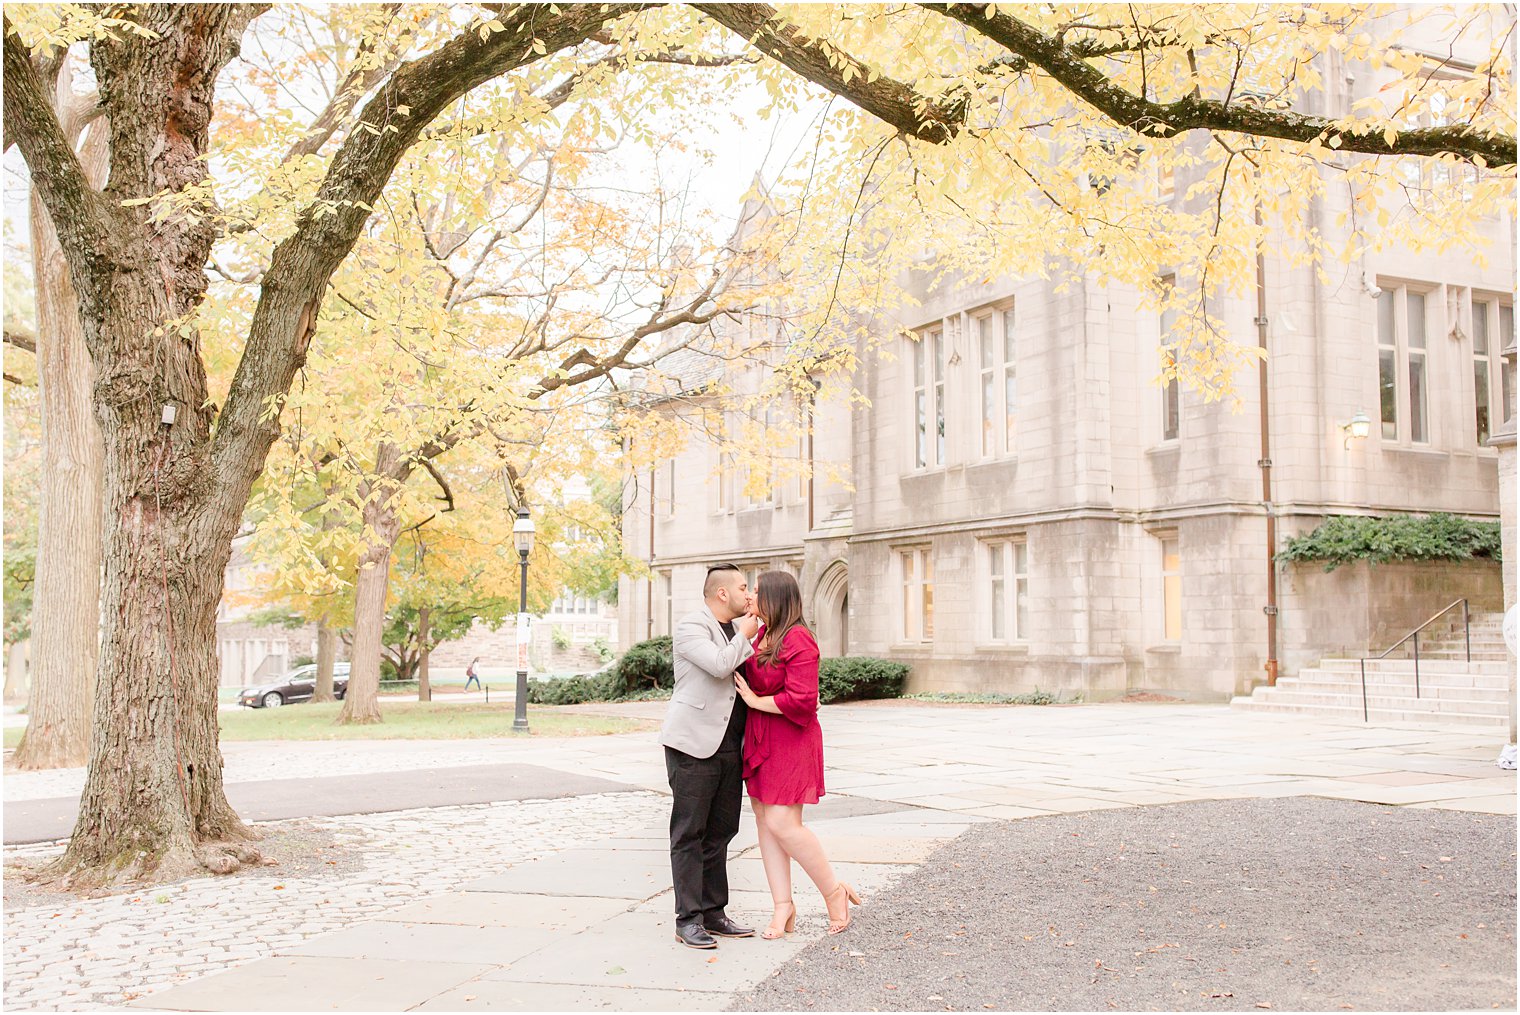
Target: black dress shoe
{"type": "Point", "coordinates": [722, 926]}
{"type": "Point", "coordinates": [693, 935]}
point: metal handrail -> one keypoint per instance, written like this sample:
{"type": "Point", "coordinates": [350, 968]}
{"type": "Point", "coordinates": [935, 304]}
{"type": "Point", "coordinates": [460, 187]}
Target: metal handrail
{"type": "Point", "coordinates": [1415, 634]}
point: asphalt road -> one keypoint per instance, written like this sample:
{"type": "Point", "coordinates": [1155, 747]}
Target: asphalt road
{"type": "Point", "coordinates": [45, 820]}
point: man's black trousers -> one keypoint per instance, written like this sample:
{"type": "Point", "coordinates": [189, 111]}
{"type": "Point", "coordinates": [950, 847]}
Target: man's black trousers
{"type": "Point", "coordinates": [704, 818]}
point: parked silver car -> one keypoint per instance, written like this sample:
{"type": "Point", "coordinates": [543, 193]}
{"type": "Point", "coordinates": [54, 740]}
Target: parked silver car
{"type": "Point", "coordinates": [295, 686]}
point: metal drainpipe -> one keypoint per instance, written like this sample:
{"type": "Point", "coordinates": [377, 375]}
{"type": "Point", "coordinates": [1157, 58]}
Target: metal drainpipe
{"type": "Point", "coordinates": [1265, 462]}
{"type": "Point", "coordinates": [649, 624]}
{"type": "Point", "coordinates": [811, 419]}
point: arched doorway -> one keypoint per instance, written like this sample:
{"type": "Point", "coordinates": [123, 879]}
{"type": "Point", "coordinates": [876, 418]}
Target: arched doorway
{"type": "Point", "coordinates": [831, 609]}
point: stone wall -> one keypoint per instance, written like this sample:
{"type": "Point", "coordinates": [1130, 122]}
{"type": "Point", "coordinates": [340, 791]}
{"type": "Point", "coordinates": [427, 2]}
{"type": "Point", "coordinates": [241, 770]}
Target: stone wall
{"type": "Point", "coordinates": [1363, 608]}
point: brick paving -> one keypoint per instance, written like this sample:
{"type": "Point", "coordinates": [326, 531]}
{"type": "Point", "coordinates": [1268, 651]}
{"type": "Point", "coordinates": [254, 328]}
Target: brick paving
{"type": "Point", "coordinates": [102, 953]}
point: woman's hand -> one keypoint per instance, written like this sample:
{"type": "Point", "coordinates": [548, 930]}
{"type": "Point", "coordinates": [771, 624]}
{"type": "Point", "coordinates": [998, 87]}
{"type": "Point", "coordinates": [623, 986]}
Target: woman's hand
{"type": "Point", "coordinates": [744, 692]}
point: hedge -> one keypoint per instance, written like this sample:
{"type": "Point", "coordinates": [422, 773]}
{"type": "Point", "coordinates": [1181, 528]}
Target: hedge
{"type": "Point", "coordinates": [855, 678]}
{"type": "Point", "coordinates": [647, 670]}
{"type": "Point", "coordinates": [1345, 539]}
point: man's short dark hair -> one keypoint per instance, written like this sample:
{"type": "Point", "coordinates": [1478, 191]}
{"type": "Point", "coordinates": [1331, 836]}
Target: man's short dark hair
{"type": "Point", "coordinates": [717, 577]}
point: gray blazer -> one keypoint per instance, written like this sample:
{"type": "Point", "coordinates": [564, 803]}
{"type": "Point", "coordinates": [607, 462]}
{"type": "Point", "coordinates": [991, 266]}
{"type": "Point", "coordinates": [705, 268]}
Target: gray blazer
{"type": "Point", "coordinates": [705, 661]}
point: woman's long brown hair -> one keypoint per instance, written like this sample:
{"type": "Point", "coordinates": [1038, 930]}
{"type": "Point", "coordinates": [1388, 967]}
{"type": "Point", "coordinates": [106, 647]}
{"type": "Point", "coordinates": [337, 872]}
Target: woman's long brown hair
{"type": "Point", "coordinates": [778, 600]}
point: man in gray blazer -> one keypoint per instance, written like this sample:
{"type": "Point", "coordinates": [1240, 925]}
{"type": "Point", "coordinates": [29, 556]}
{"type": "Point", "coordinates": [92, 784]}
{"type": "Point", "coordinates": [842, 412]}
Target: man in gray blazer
{"type": "Point", "coordinates": [703, 734]}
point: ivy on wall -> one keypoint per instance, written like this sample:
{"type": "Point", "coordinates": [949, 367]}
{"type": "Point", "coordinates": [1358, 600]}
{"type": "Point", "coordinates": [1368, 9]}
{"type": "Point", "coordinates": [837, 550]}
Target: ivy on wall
{"type": "Point", "coordinates": [1345, 539]}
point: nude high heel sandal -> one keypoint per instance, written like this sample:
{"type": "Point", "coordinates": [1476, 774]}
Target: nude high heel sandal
{"type": "Point", "coordinates": [772, 932]}
{"type": "Point", "coordinates": [841, 896]}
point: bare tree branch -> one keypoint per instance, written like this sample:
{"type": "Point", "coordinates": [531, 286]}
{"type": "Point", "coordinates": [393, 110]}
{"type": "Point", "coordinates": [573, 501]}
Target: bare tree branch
{"type": "Point", "coordinates": [20, 338]}
{"type": "Point", "coordinates": [1167, 119]}
{"type": "Point", "coordinates": [889, 100]}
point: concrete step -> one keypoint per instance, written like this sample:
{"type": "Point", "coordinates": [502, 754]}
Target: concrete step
{"type": "Point", "coordinates": [1382, 702]}
{"type": "Point", "coordinates": [1349, 713]}
{"type": "Point", "coordinates": [1433, 666]}
{"type": "Point", "coordinates": [1383, 678]}
{"type": "Point", "coordinates": [1342, 688]}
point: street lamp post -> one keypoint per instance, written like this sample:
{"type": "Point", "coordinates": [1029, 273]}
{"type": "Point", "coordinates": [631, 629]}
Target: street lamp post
{"type": "Point", "coordinates": [522, 535]}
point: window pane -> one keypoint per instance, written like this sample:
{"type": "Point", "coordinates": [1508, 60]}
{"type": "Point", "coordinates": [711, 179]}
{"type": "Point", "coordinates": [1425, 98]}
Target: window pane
{"type": "Point", "coordinates": [1506, 368]}
{"type": "Point", "coordinates": [1173, 595]}
{"type": "Point", "coordinates": [1021, 609]}
{"type": "Point", "coordinates": [1417, 418]}
{"type": "Point", "coordinates": [1021, 558]}
{"type": "Point", "coordinates": [921, 456]}
{"type": "Point", "coordinates": [1480, 389]}
{"type": "Point", "coordinates": [1480, 328]}
{"type": "Point", "coordinates": [939, 423]}
{"type": "Point", "coordinates": [1385, 333]}
{"type": "Point", "coordinates": [1171, 560]}
{"type": "Point", "coordinates": [1388, 397]}
{"type": "Point", "coordinates": [1416, 321]}
{"type": "Point", "coordinates": [1011, 404]}
{"type": "Point", "coordinates": [926, 568]}
{"type": "Point", "coordinates": [939, 355]}
{"type": "Point", "coordinates": [1171, 426]}
{"type": "Point", "coordinates": [1507, 388]}
{"type": "Point", "coordinates": [1008, 337]}
{"type": "Point", "coordinates": [999, 611]}
{"type": "Point", "coordinates": [987, 412]}
{"type": "Point", "coordinates": [995, 560]}
{"type": "Point", "coordinates": [984, 342]}
{"type": "Point", "coordinates": [918, 364]}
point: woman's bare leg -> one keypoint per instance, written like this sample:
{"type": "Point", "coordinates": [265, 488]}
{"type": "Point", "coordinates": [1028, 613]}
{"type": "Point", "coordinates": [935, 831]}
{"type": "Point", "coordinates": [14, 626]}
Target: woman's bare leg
{"type": "Point", "coordinates": [784, 823]}
{"type": "Point", "coordinates": [773, 856]}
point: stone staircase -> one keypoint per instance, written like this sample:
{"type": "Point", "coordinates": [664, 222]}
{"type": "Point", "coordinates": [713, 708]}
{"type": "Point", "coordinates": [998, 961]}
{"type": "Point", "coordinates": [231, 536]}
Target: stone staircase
{"type": "Point", "coordinates": [1452, 690]}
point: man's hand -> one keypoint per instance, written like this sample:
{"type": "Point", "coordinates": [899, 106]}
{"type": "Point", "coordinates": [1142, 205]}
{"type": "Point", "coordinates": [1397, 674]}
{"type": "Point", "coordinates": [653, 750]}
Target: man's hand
{"type": "Point", "coordinates": [747, 624]}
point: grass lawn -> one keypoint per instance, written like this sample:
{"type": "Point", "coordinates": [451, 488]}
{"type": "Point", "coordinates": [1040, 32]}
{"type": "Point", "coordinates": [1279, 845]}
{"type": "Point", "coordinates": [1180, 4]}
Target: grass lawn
{"type": "Point", "coordinates": [406, 720]}
{"type": "Point", "coordinates": [415, 720]}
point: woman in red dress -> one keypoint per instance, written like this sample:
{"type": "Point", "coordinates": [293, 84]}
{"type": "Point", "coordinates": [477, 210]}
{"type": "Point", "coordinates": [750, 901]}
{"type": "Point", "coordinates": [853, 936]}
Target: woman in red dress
{"type": "Point", "coordinates": [783, 753]}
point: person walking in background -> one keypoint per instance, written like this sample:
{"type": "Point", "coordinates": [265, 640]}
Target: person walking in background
{"type": "Point", "coordinates": [471, 675]}
{"type": "Point", "coordinates": [703, 735]}
{"type": "Point", "coordinates": [783, 754]}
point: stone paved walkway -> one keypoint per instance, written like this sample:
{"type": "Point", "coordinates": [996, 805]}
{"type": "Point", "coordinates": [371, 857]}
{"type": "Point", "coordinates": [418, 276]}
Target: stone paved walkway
{"type": "Point", "coordinates": [585, 924]}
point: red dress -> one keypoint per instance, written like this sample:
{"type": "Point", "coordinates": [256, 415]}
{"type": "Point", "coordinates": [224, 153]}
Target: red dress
{"type": "Point", "coordinates": [783, 754]}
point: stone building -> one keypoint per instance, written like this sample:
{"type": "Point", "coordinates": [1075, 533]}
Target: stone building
{"type": "Point", "coordinates": [1026, 508]}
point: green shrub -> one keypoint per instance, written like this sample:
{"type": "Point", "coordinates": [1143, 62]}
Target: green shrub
{"type": "Point", "coordinates": [574, 690]}
{"type": "Point", "coordinates": [649, 665]}
{"type": "Point", "coordinates": [646, 671]}
{"type": "Point", "coordinates": [1345, 539]}
{"type": "Point", "coordinates": [602, 649]}
{"type": "Point", "coordinates": [560, 637]}
{"type": "Point", "coordinates": [855, 678]}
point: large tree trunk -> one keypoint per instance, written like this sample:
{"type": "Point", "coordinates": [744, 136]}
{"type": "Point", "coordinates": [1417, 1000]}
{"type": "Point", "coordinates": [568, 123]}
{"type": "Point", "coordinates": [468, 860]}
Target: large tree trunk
{"type": "Point", "coordinates": [424, 686]}
{"type": "Point", "coordinates": [173, 493]}
{"type": "Point", "coordinates": [327, 654]}
{"type": "Point", "coordinates": [66, 601]}
{"type": "Point", "coordinates": [361, 704]}
{"type": "Point", "coordinates": [154, 790]}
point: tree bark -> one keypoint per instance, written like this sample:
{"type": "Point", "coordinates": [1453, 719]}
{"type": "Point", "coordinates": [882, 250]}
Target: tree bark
{"type": "Point", "coordinates": [327, 654]}
{"type": "Point", "coordinates": [66, 601]}
{"type": "Point", "coordinates": [361, 703]}
{"type": "Point", "coordinates": [424, 685]}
